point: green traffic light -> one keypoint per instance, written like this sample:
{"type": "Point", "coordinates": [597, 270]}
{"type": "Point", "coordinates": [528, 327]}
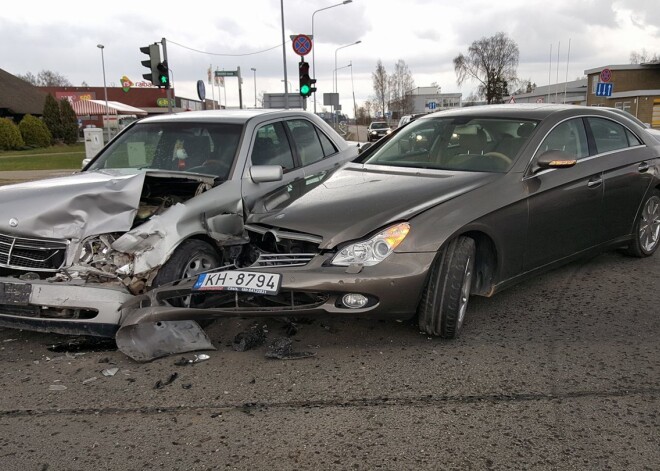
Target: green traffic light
{"type": "Point", "coordinates": [305, 89]}
{"type": "Point", "coordinates": [163, 79]}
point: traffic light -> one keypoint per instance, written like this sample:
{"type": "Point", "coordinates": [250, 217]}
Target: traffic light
{"type": "Point", "coordinates": [163, 75]}
{"type": "Point", "coordinates": [153, 51]}
{"type": "Point", "coordinates": [306, 85]}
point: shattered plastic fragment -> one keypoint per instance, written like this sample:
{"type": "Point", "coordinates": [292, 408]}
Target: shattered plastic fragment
{"type": "Point", "coordinates": [89, 380]}
{"type": "Point", "coordinates": [110, 371]}
{"type": "Point", "coordinates": [282, 349]}
{"type": "Point", "coordinates": [57, 387]}
{"type": "Point", "coordinates": [254, 337]}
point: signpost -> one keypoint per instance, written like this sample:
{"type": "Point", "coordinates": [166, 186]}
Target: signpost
{"type": "Point", "coordinates": [233, 73]}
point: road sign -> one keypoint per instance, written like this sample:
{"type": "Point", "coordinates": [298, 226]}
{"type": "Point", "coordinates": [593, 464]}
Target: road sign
{"type": "Point", "coordinates": [604, 89]}
{"type": "Point", "coordinates": [431, 105]}
{"type": "Point", "coordinates": [539, 100]}
{"type": "Point", "coordinates": [302, 44]}
{"type": "Point", "coordinates": [605, 75]}
{"type": "Point", "coordinates": [512, 100]}
{"type": "Point", "coordinates": [226, 73]}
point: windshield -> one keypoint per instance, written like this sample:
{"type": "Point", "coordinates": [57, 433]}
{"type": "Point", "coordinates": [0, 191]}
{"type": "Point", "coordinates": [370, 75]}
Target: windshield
{"type": "Point", "coordinates": [460, 143]}
{"type": "Point", "coordinates": [208, 148]}
{"type": "Point", "coordinates": [379, 126]}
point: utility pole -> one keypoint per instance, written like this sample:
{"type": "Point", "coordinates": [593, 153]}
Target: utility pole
{"type": "Point", "coordinates": [169, 90]}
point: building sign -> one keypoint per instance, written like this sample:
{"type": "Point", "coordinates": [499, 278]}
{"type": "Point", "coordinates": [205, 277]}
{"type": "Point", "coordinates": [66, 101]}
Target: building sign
{"type": "Point", "coordinates": [162, 102]}
{"type": "Point", "coordinates": [75, 96]}
{"type": "Point", "coordinates": [126, 83]}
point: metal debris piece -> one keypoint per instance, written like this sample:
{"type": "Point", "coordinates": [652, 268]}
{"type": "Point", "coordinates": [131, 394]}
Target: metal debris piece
{"type": "Point", "coordinates": [282, 349]}
{"type": "Point", "coordinates": [57, 387]}
{"type": "Point", "coordinates": [161, 384]}
{"type": "Point", "coordinates": [110, 371]}
{"type": "Point", "coordinates": [254, 337]}
{"type": "Point", "coordinates": [201, 357]}
{"type": "Point", "coordinates": [183, 361]}
{"type": "Point", "coordinates": [89, 380]}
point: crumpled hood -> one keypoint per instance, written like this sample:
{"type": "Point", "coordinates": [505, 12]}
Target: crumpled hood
{"type": "Point", "coordinates": [71, 207]}
{"type": "Point", "coordinates": [357, 199]}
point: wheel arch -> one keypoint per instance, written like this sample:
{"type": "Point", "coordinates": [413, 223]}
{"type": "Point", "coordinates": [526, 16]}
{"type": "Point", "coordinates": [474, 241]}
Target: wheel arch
{"type": "Point", "coordinates": [486, 261]}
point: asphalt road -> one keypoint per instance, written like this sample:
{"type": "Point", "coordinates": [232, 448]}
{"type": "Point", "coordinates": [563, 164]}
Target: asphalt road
{"type": "Point", "coordinates": [561, 372]}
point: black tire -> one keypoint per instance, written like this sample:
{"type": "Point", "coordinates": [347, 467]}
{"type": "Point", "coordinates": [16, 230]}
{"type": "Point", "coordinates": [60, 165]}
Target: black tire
{"type": "Point", "coordinates": [646, 234]}
{"type": "Point", "coordinates": [444, 301]}
{"type": "Point", "coordinates": [190, 258]}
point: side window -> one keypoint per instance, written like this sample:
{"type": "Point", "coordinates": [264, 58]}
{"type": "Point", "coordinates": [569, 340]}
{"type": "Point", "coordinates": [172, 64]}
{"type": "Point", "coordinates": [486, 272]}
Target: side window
{"type": "Point", "coordinates": [632, 139]}
{"type": "Point", "coordinates": [569, 137]}
{"type": "Point", "coordinates": [328, 147]}
{"type": "Point", "coordinates": [306, 141]}
{"type": "Point", "coordinates": [608, 135]}
{"type": "Point", "coordinates": [271, 147]}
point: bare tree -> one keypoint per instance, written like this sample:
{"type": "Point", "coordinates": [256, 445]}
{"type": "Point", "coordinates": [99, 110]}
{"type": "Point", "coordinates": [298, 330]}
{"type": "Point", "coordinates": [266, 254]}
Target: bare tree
{"type": "Point", "coordinates": [381, 87]}
{"type": "Point", "coordinates": [46, 78]}
{"type": "Point", "coordinates": [492, 62]}
{"type": "Point", "coordinates": [643, 57]}
{"type": "Point", "coordinates": [524, 86]}
{"type": "Point", "coordinates": [401, 84]}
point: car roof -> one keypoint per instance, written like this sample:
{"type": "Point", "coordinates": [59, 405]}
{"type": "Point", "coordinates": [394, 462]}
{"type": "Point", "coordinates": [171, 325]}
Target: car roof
{"type": "Point", "coordinates": [535, 111]}
{"type": "Point", "coordinates": [226, 116]}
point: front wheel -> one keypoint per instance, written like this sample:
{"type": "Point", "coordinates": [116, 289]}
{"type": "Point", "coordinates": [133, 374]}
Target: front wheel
{"type": "Point", "coordinates": [445, 298]}
{"type": "Point", "coordinates": [647, 228]}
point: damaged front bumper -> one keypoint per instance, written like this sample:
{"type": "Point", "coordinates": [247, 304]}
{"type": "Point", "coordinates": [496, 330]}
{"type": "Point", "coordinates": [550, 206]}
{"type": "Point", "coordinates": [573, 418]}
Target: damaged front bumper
{"type": "Point", "coordinates": [392, 287]}
{"type": "Point", "coordinates": [76, 308]}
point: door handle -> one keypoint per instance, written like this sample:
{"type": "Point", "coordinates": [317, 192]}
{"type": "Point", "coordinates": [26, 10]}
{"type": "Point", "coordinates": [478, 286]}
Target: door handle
{"type": "Point", "coordinates": [643, 167]}
{"type": "Point", "coordinates": [594, 182]}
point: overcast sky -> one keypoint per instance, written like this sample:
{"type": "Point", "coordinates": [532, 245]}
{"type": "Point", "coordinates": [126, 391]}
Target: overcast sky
{"type": "Point", "coordinates": [426, 34]}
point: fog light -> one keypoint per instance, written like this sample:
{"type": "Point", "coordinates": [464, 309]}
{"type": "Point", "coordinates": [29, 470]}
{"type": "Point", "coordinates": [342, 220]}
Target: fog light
{"type": "Point", "coordinates": [354, 300]}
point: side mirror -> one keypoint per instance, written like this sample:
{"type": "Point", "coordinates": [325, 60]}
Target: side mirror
{"type": "Point", "coordinates": [364, 147]}
{"type": "Point", "coordinates": [266, 173]}
{"type": "Point", "coordinates": [555, 159]}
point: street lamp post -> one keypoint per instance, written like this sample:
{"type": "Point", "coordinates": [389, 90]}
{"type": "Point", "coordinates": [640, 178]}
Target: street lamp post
{"type": "Point", "coordinates": [314, 40]}
{"type": "Point", "coordinates": [255, 85]}
{"type": "Point", "coordinates": [334, 84]}
{"type": "Point", "coordinates": [105, 89]}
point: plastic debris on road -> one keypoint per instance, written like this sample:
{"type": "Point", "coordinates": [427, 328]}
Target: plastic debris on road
{"type": "Point", "coordinates": [110, 371]}
{"type": "Point", "coordinates": [282, 349]}
{"type": "Point", "coordinates": [254, 337]}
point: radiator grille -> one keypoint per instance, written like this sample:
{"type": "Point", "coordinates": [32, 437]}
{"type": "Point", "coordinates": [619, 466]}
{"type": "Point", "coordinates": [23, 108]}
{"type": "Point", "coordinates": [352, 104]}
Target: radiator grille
{"type": "Point", "coordinates": [31, 254]}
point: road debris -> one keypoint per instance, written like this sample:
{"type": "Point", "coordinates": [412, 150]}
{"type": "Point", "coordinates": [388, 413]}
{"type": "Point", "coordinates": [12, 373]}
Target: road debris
{"type": "Point", "coordinates": [254, 337]}
{"type": "Point", "coordinates": [161, 384]}
{"type": "Point", "coordinates": [57, 387]}
{"type": "Point", "coordinates": [183, 361]}
{"type": "Point", "coordinates": [110, 371]}
{"type": "Point", "coordinates": [84, 344]}
{"type": "Point", "coordinates": [282, 349]}
{"type": "Point", "coordinates": [89, 380]}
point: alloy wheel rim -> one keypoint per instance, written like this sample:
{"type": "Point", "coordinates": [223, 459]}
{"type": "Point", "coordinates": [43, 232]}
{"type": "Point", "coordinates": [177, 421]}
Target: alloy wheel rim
{"type": "Point", "coordinates": [195, 266]}
{"type": "Point", "coordinates": [465, 291]}
{"type": "Point", "coordinates": [649, 228]}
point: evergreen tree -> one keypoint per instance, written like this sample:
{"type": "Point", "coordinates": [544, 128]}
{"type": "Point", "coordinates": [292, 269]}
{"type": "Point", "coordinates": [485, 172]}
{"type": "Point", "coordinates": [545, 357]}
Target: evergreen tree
{"type": "Point", "coordinates": [69, 122]}
{"type": "Point", "coordinates": [52, 117]}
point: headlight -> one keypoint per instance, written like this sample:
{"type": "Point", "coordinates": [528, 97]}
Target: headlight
{"type": "Point", "coordinates": [97, 252]}
{"type": "Point", "coordinates": [389, 131]}
{"type": "Point", "coordinates": [375, 250]}
{"type": "Point", "coordinates": [374, 132]}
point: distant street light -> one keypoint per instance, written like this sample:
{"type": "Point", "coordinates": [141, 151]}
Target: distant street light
{"type": "Point", "coordinates": [105, 89]}
{"type": "Point", "coordinates": [334, 85]}
{"type": "Point", "coordinates": [255, 85]}
{"type": "Point", "coordinates": [314, 40]}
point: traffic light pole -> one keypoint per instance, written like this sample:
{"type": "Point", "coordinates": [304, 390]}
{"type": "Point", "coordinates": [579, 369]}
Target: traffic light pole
{"type": "Point", "coordinates": [169, 89]}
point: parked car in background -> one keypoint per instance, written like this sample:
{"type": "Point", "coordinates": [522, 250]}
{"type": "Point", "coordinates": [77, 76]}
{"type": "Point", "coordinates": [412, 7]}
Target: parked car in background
{"type": "Point", "coordinates": [378, 129]}
{"type": "Point", "coordinates": [408, 118]}
{"type": "Point", "coordinates": [164, 200]}
{"type": "Point", "coordinates": [458, 203]}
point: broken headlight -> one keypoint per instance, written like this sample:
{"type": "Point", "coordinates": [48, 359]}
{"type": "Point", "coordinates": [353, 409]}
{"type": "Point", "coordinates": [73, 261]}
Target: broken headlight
{"type": "Point", "coordinates": [374, 250]}
{"type": "Point", "coordinates": [97, 252]}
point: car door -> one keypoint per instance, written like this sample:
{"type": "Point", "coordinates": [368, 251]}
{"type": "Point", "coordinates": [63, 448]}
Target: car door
{"type": "Point", "coordinates": [565, 205]}
{"type": "Point", "coordinates": [626, 175]}
{"type": "Point", "coordinates": [270, 146]}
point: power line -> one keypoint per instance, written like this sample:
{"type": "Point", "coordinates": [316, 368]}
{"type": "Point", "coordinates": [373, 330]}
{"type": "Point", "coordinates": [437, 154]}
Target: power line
{"type": "Point", "coordinates": [226, 55]}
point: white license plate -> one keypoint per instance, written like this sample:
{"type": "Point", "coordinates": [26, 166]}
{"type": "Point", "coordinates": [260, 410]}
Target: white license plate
{"type": "Point", "coordinates": [245, 281]}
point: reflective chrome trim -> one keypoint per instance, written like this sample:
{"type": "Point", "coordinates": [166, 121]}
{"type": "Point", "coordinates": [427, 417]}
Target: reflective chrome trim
{"type": "Point", "coordinates": [282, 234]}
{"type": "Point", "coordinates": [31, 254]}
{"type": "Point", "coordinates": [271, 260]}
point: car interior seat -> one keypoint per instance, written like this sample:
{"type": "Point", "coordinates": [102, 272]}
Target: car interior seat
{"type": "Point", "coordinates": [263, 151]}
{"type": "Point", "coordinates": [198, 149]}
{"type": "Point", "coordinates": [473, 143]}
